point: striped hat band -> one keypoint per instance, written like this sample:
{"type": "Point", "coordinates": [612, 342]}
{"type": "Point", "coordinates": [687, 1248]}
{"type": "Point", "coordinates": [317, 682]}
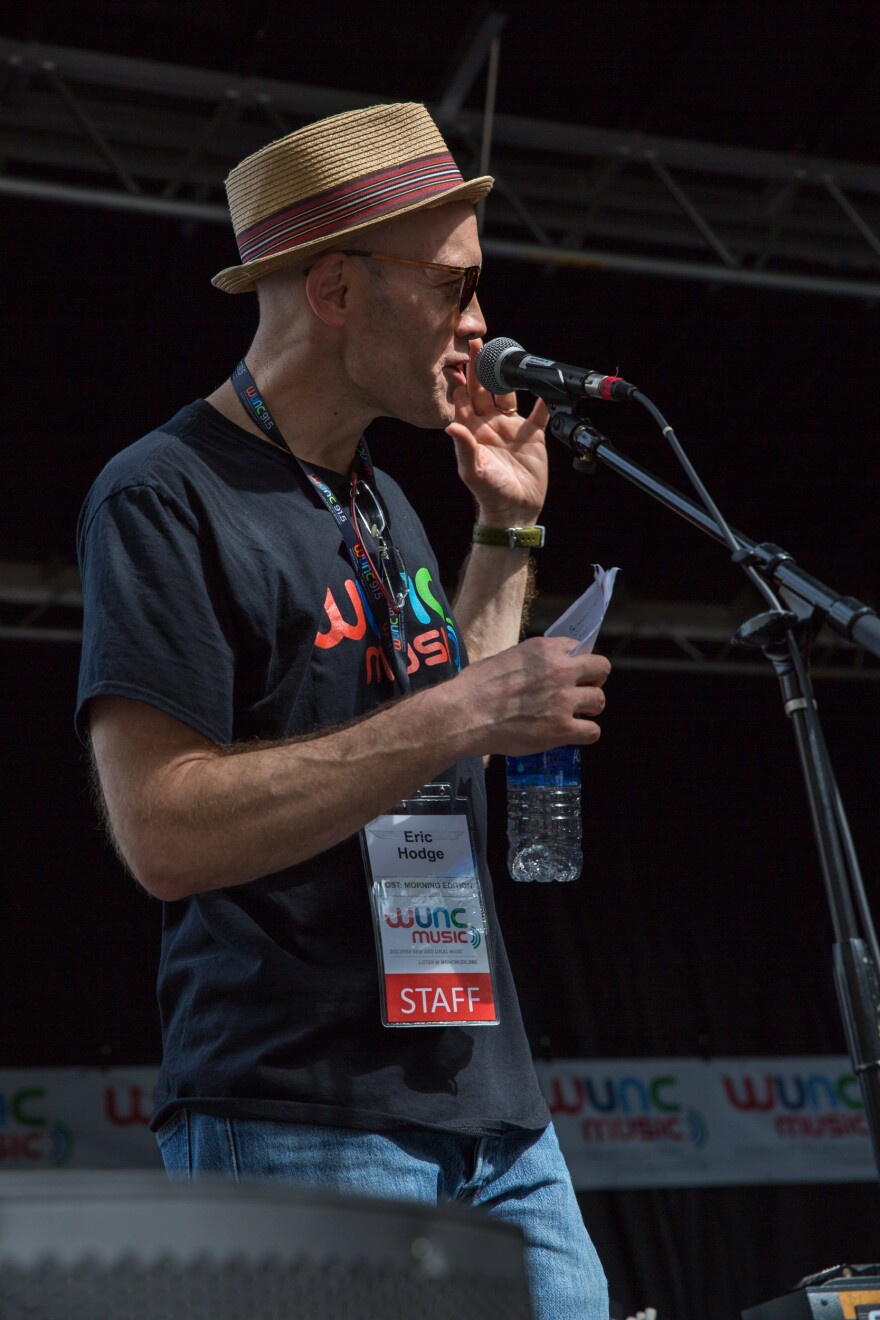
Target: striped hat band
{"type": "Point", "coordinates": [360, 202]}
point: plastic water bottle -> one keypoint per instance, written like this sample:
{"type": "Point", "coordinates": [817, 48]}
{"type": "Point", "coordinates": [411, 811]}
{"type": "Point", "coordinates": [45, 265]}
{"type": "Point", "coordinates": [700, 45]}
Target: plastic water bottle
{"type": "Point", "coordinates": [544, 827]}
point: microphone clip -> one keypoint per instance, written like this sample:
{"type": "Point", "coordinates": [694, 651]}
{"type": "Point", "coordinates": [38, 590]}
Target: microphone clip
{"type": "Point", "coordinates": [570, 424]}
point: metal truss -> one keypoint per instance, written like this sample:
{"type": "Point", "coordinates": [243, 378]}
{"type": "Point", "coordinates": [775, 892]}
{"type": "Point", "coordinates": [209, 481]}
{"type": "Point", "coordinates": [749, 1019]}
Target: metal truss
{"type": "Point", "coordinates": [40, 602]}
{"type": "Point", "coordinates": [43, 603]}
{"type": "Point", "coordinates": [103, 130]}
{"type": "Point", "coordinates": [696, 637]}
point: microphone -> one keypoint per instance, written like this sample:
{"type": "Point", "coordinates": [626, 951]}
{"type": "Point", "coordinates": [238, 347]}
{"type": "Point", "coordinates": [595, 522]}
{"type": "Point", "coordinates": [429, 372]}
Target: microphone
{"type": "Point", "coordinates": [503, 365]}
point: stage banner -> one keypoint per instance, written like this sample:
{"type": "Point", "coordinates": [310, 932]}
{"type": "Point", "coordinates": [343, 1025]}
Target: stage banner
{"type": "Point", "coordinates": [621, 1122]}
{"type": "Point", "coordinates": [79, 1118]}
{"type": "Point", "coordinates": [690, 1123]}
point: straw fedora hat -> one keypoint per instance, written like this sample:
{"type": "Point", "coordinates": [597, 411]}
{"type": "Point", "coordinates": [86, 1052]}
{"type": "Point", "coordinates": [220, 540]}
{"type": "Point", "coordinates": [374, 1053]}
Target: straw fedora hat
{"type": "Point", "coordinates": [302, 194]}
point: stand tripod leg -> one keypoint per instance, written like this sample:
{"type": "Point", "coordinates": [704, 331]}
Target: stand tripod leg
{"type": "Point", "coordinates": [855, 968]}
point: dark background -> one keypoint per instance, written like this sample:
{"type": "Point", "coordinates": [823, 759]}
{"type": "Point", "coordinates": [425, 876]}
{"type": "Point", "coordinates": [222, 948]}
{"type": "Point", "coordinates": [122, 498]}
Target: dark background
{"type": "Point", "coordinates": [699, 926]}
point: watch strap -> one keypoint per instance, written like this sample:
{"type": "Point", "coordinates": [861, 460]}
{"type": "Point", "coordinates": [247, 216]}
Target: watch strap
{"type": "Point", "coordinates": [514, 538]}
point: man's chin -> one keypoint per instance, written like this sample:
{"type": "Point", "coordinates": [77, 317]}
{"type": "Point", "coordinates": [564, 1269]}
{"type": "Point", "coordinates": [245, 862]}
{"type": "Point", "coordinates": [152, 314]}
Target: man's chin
{"type": "Point", "coordinates": [435, 418]}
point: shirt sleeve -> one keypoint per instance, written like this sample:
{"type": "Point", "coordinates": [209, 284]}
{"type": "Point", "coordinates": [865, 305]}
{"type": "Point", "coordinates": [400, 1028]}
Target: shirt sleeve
{"type": "Point", "coordinates": [157, 623]}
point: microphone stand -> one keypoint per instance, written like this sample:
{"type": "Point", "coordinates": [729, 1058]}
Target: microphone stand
{"type": "Point", "coordinates": [785, 635]}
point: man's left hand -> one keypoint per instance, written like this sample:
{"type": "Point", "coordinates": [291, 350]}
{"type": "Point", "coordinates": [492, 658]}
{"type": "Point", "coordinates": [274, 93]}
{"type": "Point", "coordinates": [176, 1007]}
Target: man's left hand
{"type": "Point", "coordinates": [502, 456]}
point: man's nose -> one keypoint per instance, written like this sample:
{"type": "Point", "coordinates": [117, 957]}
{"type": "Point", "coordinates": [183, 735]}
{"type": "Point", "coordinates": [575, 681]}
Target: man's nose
{"type": "Point", "coordinates": [471, 324]}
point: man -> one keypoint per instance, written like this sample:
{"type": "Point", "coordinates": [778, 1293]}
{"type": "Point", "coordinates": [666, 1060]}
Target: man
{"type": "Point", "coordinates": [270, 666]}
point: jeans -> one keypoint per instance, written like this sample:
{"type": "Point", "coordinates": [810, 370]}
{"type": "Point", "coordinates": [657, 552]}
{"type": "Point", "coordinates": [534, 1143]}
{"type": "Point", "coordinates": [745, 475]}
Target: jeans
{"type": "Point", "coordinates": [518, 1177]}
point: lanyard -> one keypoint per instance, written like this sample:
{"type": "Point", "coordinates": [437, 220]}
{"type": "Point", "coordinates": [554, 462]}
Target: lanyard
{"type": "Point", "coordinates": [391, 623]}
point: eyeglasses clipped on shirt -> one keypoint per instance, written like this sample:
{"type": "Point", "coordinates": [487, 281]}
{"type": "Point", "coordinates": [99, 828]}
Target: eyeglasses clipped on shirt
{"type": "Point", "coordinates": [368, 517]}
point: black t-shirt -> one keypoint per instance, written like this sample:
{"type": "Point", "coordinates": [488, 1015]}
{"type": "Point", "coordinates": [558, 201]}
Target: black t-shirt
{"type": "Point", "coordinates": [217, 588]}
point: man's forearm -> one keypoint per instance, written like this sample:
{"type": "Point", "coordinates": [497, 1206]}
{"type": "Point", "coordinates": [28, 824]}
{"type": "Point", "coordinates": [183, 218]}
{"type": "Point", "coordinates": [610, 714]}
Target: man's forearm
{"type": "Point", "coordinates": [188, 816]}
{"type": "Point", "coordinates": [494, 587]}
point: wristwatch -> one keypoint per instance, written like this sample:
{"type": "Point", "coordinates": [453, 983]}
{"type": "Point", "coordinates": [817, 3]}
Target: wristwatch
{"type": "Point", "coordinates": [515, 538]}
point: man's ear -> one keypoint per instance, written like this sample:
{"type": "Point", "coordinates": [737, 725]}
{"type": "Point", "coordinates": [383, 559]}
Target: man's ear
{"type": "Point", "coordinates": [328, 288]}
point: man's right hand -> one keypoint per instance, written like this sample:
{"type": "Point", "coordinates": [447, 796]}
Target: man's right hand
{"type": "Point", "coordinates": [534, 696]}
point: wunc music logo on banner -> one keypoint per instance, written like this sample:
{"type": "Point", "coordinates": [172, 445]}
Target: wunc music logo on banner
{"type": "Point", "coordinates": [798, 1103]}
{"type": "Point", "coordinates": [617, 1107]}
{"type": "Point", "coordinates": [29, 1138]}
{"type": "Point", "coordinates": [85, 1118]}
{"type": "Point", "coordinates": [704, 1122]}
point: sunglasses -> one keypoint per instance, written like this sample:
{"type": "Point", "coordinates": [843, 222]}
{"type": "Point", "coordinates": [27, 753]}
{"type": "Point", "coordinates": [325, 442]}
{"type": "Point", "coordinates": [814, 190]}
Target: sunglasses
{"type": "Point", "coordinates": [470, 275]}
{"type": "Point", "coordinates": [368, 517]}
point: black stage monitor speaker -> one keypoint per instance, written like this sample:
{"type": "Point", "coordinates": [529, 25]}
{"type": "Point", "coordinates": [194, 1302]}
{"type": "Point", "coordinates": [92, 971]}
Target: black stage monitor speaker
{"type": "Point", "coordinates": [126, 1246]}
{"type": "Point", "coordinates": [845, 1292]}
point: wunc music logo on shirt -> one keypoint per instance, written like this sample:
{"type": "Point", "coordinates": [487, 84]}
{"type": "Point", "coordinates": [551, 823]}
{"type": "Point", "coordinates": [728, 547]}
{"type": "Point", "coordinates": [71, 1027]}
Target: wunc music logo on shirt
{"type": "Point", "coordinates": [435, 644]}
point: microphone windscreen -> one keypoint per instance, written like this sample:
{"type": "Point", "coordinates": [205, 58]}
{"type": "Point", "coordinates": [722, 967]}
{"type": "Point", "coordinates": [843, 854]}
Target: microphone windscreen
{"type": "Point", "coordinates": [488, 361]}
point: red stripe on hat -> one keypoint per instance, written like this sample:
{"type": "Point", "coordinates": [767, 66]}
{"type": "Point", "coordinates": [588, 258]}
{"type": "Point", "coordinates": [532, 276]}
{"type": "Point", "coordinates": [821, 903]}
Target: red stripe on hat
{"type": "Point", "coordinates": [359, 201]}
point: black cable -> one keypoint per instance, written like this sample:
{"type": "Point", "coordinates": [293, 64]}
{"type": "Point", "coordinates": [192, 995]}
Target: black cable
{"type": "Point", "coordinates": [708, 503]}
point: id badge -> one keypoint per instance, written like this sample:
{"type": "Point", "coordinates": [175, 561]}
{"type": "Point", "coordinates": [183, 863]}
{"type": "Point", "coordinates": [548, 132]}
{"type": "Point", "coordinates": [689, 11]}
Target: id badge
{"type": "Point", "coordinates": [429, 920]}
